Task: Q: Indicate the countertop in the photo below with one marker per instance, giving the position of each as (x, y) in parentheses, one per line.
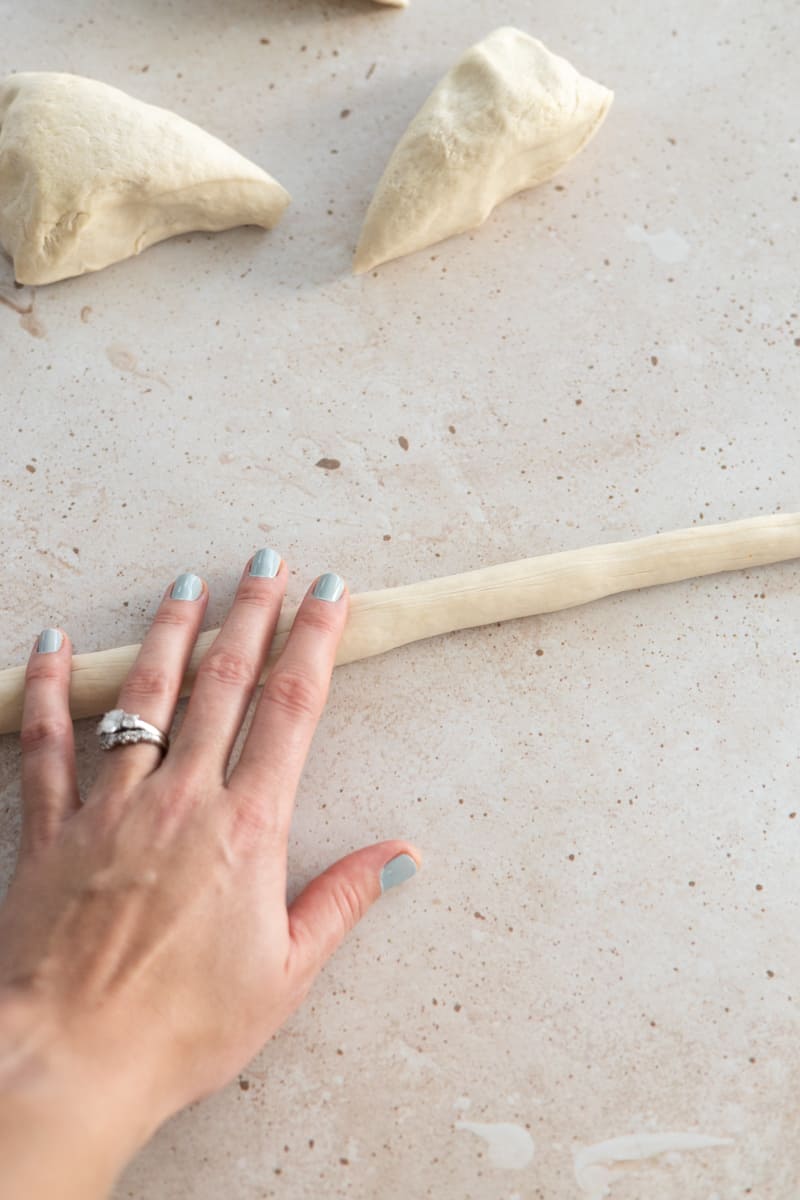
(602, 943)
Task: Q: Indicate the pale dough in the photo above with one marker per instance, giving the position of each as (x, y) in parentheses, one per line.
(380, 621)
(506, 117)
(89, 176)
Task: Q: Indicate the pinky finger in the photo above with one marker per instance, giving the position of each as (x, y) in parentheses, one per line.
(49, 778)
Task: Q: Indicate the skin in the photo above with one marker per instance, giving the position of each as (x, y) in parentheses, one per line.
(146, 948)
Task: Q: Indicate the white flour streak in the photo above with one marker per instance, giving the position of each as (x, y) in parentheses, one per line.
(510, 1146)
(594, 1164)
(668, 246)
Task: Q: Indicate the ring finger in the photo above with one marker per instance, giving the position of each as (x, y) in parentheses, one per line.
(153, 684)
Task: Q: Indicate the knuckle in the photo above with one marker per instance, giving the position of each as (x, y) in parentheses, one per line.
(349, 904)
(42, 670)
(229, 667)
(294, 693)
(319, 618)
(43, 732)
(178, 615)
(254, 821)
(148, 682)
(254, 594)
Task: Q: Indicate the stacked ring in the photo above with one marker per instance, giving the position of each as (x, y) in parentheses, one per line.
(118, 728)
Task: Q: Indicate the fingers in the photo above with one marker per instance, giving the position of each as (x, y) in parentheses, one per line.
(291, 703)
(153, 684)
(333, 903)
(49, 781)
(230, 669)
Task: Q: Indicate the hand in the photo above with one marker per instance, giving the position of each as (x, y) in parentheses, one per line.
(146, 948)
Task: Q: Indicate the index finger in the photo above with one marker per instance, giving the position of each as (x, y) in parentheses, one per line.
(291, 703)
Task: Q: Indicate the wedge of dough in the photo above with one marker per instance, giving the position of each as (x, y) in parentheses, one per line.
(506, 117)
(89, 176)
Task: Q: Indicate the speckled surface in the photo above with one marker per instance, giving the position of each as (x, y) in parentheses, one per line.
(604, 939)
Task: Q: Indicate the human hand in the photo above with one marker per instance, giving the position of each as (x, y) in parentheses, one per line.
(146, 947)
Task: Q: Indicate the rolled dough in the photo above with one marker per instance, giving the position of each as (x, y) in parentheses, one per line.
(506, 117)
(89, 176)
(383, 620)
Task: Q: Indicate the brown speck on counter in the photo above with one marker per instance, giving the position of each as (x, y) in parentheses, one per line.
(17, 308)
(27, 318)
(579, 401)
(371, 71)
(30, 468)
(86, 312)
(451, 428)
(344, 113)
(121, 358)
(328, 464)
(244, 1084)
(387, 537)
(539, 653)
(32, 325)
(403, 442)
(654, 360)
(264, 41)
(792, 816)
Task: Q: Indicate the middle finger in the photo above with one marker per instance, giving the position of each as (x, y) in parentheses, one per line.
(229, 671)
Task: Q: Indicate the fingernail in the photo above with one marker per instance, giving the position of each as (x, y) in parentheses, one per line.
(328, 587)
(266, 564)
(397, 870)
(49, 641)
(186, 587)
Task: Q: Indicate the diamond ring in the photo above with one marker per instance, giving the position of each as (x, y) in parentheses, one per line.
(118, 728)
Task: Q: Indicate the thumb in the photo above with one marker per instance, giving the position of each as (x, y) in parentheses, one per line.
(333, 903)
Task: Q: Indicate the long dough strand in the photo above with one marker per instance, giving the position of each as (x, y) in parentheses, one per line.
(382, 620)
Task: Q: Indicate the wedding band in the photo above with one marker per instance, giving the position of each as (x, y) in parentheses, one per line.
(118, 728)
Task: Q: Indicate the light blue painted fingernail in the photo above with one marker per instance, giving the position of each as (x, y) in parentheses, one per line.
(328, 587)
(186, 587)
(397, 870)
(50, 640)
(266, 564)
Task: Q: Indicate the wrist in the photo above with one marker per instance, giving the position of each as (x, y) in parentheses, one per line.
(67, 1128)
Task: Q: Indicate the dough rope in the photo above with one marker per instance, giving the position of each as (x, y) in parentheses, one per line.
(383, 620)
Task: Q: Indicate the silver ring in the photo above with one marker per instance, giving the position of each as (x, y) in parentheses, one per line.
(118, 728)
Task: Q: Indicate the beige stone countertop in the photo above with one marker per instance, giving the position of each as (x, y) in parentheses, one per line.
(592, 987)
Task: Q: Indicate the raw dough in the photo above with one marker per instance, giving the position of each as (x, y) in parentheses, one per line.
(380, 621)
(89, 176)
(506, 117)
